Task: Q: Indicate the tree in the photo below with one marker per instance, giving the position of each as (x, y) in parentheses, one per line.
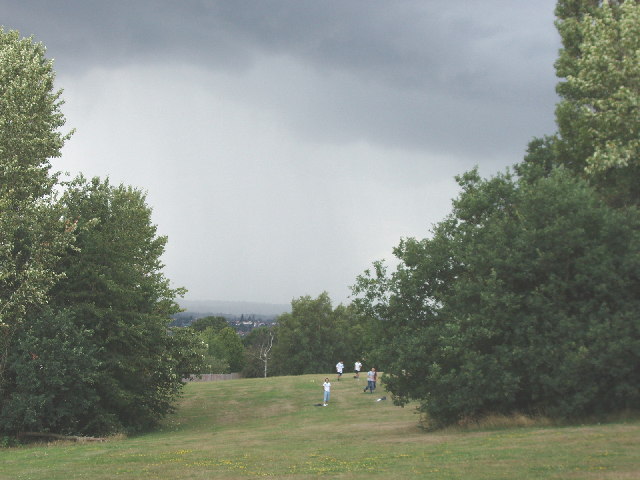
(84, 340)
(524, 300)
(217, 323)
(305, 337)
(114, 288)
(314, 336)
(229, 344)
(30, 118)
(597, 118)
(32, 232)
(258, 345)
(225, 352)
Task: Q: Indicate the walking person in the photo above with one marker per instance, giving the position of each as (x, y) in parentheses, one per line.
(357, 368)
(339, 369)
(372, 377)
(326, 387)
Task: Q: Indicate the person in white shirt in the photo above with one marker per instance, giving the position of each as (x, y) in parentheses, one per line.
(326, 386)
(357, 368)
(339, 369)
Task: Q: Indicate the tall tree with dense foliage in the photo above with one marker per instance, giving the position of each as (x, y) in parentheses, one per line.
(525, 297)
(32, 232)
(115, 289)
(598, 121)
(524, 300)
(84, 307)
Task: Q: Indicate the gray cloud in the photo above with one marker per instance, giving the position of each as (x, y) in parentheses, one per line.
(287, 144)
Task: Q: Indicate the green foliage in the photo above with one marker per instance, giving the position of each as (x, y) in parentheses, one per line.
(524, 299)
(187, 351)
(115, 289)
(597, 117)
(229, 344)
(258, 345)
(53, 370)
(314, 337)
(32, 232)
(30, 118)
(569, 15)
(540, 160)
(101, 357)
(225, 352)
(217, 323)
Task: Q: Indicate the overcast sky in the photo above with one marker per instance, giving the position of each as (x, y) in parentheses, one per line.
(286, 145)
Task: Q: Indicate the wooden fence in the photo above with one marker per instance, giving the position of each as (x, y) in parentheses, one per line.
(213, 377)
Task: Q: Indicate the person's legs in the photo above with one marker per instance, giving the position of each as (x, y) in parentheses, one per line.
(326, 397)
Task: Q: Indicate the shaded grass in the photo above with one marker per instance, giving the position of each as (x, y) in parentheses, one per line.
(270, 428)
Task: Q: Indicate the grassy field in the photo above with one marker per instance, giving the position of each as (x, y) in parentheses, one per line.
(271, 428)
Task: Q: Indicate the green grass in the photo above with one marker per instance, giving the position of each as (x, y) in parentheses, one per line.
(270, 428)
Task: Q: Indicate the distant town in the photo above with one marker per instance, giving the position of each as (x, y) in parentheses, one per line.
(242, 323)
(242, 316)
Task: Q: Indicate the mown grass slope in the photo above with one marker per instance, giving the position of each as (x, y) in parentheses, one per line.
(270, 428)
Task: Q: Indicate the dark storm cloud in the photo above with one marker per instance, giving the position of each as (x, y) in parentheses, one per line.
(462, 77)
(453, 46)
(287, 144)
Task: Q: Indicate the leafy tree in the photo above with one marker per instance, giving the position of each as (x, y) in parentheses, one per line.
(115, 289)
(32, 234)
(30, 118)
(225, 352)
(523, 300)
(314, 336)
(229, 343)
(569, 16)
(188, 351)
(597, 118)
(217, 323)
(100, 357)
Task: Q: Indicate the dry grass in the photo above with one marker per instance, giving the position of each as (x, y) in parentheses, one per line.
(516, 420)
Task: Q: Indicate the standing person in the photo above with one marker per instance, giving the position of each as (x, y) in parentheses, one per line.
(357, 368)
(339, 369)
(326, 387)
(372, 377)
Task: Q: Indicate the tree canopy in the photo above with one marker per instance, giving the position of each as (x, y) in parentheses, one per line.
(33, 233)
(84, 340)
(315, 336)
(597, 116)
(523, 300)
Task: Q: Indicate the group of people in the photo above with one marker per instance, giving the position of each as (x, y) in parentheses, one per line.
(372, 378)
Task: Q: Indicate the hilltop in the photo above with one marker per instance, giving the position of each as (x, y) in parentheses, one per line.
(270, 428)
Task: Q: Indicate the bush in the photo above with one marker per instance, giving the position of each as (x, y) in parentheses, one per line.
(52, 372)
